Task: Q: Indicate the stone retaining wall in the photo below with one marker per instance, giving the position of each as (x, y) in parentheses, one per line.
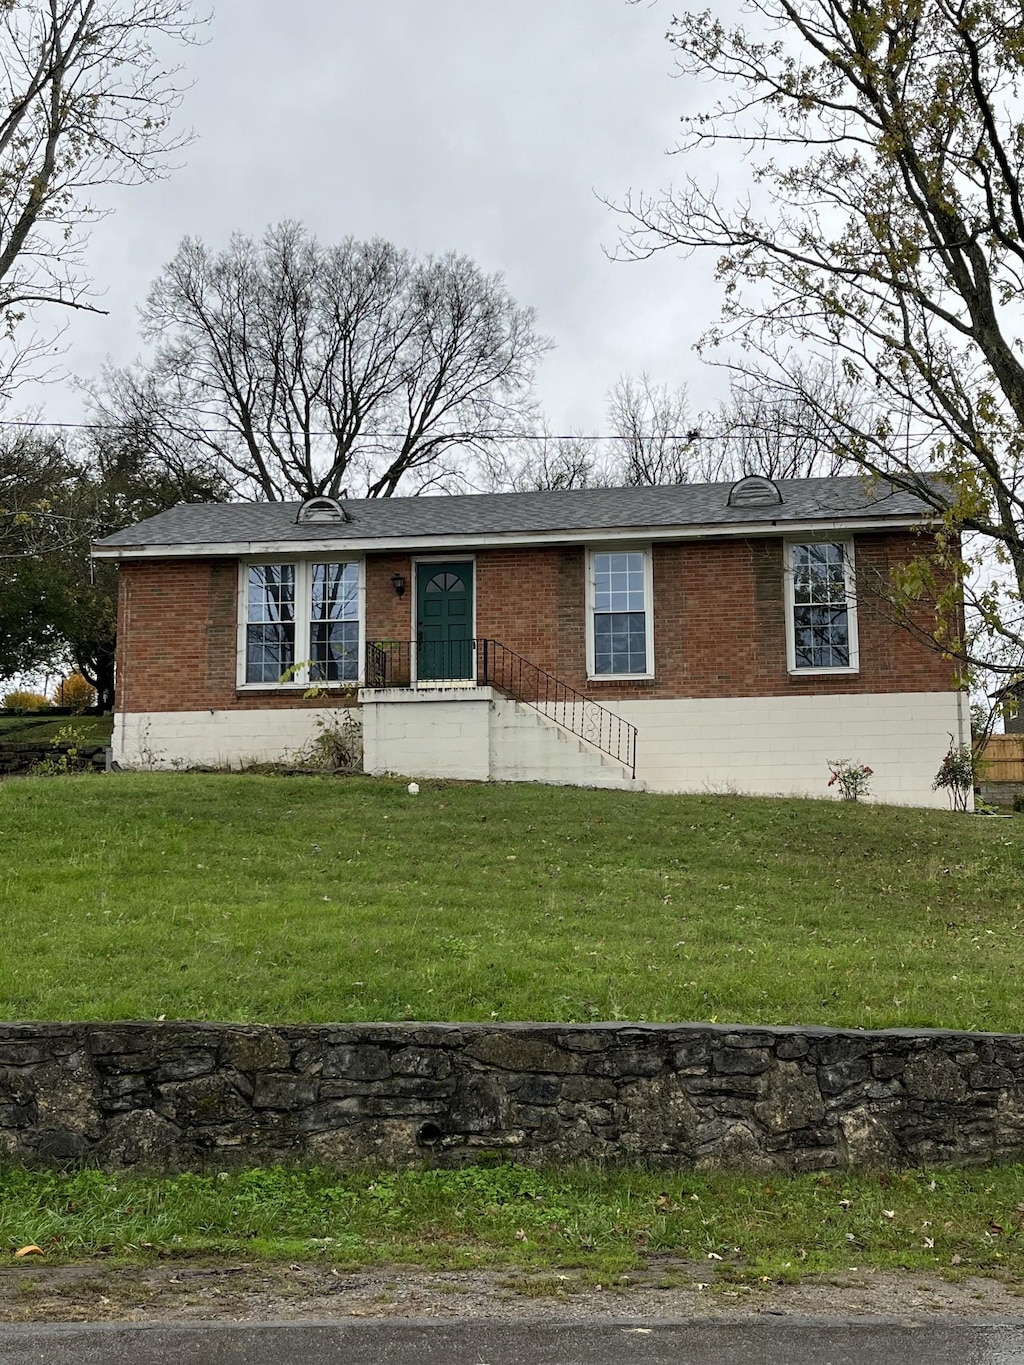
(169, 1096)
(1000, 793)
(16, 759)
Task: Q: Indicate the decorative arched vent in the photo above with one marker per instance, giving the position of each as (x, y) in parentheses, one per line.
(322, 509)
(754, 491)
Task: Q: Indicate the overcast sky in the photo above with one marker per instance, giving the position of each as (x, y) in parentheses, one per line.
(485, 126)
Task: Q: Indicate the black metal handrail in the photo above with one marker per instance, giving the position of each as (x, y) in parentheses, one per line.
(489, 663)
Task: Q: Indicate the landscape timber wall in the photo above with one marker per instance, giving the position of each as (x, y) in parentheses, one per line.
(171, 1096)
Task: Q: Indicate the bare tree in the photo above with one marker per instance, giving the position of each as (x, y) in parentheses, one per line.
(654, 434)
(883, 233)
(777, 429)
(301, 369)
(540, 460)
(86, 99)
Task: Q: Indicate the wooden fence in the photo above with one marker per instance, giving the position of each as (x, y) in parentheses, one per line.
(1003, 758)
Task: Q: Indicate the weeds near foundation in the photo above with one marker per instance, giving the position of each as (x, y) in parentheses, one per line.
(336, 744)
(66, 757)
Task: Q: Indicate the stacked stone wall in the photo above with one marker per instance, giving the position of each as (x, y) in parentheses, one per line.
(18, 759)
(168, 1096)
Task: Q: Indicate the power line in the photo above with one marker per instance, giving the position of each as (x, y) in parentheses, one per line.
(687, 437)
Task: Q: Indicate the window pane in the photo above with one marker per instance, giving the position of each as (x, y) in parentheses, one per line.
(335, 651)
(269, 651)
(334, 623)
(620, 642)
(271, 592)
(819, 574)
(822, 637)
(619, 582)
(335, 592)
(446, 582)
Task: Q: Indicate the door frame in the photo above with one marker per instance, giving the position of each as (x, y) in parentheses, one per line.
(416, 560)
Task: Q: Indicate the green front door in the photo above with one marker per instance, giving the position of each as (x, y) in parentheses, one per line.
(444, 614)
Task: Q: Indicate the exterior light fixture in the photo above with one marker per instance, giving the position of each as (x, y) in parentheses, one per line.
(398, 583)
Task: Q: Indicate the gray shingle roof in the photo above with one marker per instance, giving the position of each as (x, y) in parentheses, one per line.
(483, 515)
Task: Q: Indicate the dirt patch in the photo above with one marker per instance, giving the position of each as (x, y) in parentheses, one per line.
(242, 1292)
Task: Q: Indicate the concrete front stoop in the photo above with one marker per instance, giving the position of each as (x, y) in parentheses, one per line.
(477, 734)
(528, 746)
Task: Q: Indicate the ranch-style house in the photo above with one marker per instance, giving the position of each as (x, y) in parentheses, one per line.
(696, 637)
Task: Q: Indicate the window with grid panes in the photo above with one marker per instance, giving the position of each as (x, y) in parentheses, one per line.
(620, 612)
(302, 617)
(822, 607)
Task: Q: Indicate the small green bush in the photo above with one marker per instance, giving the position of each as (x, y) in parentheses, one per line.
(957, 774)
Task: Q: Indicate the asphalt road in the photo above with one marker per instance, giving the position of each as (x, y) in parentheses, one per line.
(410, 1343)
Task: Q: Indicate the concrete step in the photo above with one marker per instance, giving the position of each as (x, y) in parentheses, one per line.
(536, 748)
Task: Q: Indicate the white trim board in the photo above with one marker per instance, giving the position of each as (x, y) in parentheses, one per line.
(424, 544)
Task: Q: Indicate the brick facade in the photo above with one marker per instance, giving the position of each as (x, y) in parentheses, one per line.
(719, 624)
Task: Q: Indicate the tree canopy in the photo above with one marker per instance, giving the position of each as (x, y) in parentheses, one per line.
(882, 235)
(58, 606)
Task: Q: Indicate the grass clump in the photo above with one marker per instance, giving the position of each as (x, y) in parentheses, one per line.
(303, 899)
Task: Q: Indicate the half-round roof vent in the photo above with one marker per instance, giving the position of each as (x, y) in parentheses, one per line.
(754, 491)
(322, 509)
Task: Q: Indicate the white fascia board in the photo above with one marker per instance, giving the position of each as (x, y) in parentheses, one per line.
(337, 549)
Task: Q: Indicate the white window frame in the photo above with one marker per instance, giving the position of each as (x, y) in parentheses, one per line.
(303, 567)
(850, 575)
(592, 552)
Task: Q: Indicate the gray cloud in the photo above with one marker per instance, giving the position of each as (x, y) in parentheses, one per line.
(487, 126)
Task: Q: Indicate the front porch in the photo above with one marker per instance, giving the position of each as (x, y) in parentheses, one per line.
(476, 733)
(477, 710)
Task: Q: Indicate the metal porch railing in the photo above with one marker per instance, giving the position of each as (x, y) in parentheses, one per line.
(489, 663)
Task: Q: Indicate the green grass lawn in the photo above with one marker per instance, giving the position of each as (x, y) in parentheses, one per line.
(41, 728)
(601, 1222)
(304, 899)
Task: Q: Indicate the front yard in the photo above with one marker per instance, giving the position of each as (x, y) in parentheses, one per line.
(302, 899)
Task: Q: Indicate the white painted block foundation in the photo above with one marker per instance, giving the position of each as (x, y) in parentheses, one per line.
(475, 733)
(433, 732)
(782, 745)
(220, 739)
(760, 745)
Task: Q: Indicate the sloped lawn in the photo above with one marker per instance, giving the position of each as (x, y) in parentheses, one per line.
(42, 728)
(295, 899)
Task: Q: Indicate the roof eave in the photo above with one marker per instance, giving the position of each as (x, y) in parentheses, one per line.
(363, 545)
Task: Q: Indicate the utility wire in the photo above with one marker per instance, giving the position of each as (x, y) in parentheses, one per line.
(687, 436)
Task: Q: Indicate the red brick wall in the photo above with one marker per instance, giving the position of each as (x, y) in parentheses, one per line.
(719, 624)
(719, 620)
(177, 640)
